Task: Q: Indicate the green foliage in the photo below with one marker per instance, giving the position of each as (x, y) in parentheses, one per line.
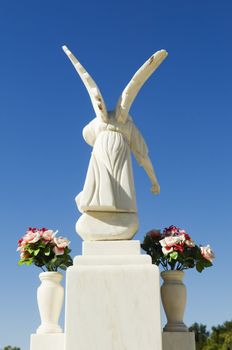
(10, 348)
(43, 255)
(201, 335)
(227, 341)
(220, 337)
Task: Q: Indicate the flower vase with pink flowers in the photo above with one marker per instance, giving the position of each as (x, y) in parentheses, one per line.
(44, 249)
(175, 251)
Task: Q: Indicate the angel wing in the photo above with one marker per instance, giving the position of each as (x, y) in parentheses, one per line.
(91, 86)
(137, 81)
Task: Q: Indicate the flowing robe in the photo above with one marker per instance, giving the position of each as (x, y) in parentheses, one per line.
(109, 183)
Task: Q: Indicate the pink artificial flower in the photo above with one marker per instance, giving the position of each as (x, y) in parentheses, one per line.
(61, 242)
(58, 251)
(168, 244)
(169, 241)
(47, 235)
(31, 237)
(21, 244)
(207, 253)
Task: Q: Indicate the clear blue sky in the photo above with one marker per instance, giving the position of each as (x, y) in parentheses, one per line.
(183, 111)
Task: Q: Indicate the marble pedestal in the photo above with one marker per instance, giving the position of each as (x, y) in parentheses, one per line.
(112, 299)
(178, 341)
(54, 341)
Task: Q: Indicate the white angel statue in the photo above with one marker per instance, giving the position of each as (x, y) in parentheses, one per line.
(107, 201)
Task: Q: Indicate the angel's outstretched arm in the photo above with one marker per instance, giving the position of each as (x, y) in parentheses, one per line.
(140, 151)
(148, 167)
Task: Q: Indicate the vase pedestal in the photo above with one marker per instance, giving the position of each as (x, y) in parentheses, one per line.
(112, 299)
(178, 341)
(53, 341)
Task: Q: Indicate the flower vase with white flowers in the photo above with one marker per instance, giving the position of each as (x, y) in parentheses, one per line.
(174, 249)
(44, 249)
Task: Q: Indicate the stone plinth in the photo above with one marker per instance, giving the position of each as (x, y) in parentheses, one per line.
(100, 226)
(112, 299)
(47, 341)
(178, 341)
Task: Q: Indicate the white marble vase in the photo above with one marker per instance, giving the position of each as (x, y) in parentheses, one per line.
(173, 295)
(50, 296)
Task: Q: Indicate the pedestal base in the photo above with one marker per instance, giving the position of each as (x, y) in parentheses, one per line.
(113, 299)
(178, 341)
(107, 226)
(47, 341)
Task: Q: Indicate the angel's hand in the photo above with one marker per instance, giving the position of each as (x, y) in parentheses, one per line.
(155, 189)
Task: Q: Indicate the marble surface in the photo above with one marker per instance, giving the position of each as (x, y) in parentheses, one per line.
(112, 260)
(47, 341)
(178, 341)
(131, 247)
(113, 303)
